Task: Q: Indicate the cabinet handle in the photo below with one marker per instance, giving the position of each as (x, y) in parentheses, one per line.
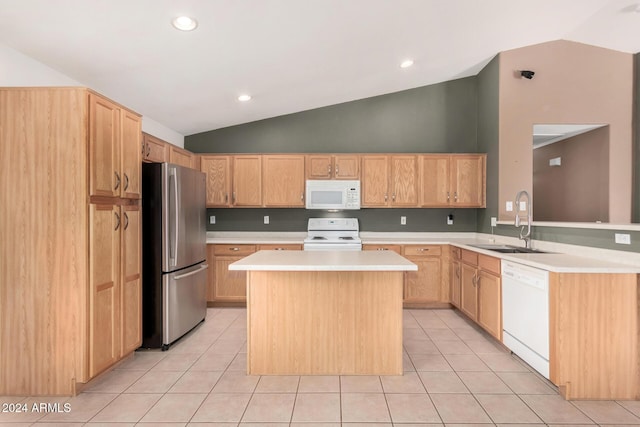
(117, 180)
(279, 249)
(126, 220)
(448, 196)
(302, 197)
(474, 280)
(393, 197)
(382, 249)
(329, 169)
(143, 148)
(234, 249)
(455, 196)
(458, 271)
(226, 197)
(148, 150)
(117, 221)
(233, 198)
(423, 249)
(337, 172)
(126, 182)
(386, 197)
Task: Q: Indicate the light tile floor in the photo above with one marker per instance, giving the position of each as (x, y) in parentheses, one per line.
(454, 374)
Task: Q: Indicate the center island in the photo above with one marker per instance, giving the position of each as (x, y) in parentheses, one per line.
(324, 312)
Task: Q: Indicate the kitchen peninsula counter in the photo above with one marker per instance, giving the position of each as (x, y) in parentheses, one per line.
(324, 312)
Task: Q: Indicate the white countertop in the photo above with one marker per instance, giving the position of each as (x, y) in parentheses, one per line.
(563, 259)
(324, 261)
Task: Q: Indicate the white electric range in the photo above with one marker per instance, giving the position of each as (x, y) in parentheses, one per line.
(333, 234)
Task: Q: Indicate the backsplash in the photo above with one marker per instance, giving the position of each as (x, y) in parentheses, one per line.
(418, 220)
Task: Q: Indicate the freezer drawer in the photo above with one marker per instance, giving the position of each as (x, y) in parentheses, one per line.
(184, 301)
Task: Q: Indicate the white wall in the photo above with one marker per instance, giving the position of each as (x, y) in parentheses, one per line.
(18, 69)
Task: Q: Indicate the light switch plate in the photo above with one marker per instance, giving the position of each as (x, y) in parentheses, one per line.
(403, 220)
(494, 221)
(266, 219)
(623, 239)
(523, 205)
(509, 206)
(212, 219)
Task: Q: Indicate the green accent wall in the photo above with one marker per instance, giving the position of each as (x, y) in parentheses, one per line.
(438, 118)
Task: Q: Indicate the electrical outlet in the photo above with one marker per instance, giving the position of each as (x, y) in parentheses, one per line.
(212, 219)
(522, 205)
(403, 220)
(623, 239)
(266, 219)
(494, 221)
(509, 206)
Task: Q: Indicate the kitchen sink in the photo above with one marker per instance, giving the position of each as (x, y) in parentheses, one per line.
(509, 249)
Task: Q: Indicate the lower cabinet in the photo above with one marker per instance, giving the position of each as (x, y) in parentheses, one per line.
(231, 286)
(115, 293)
(426, 284)
(455, 287)
(481, 291)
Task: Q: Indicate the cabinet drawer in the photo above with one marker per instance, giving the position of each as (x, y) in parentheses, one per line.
(394, 248)
(288, 247)
(422, 250)
(469, 257)
(221, 250)
(489, 263)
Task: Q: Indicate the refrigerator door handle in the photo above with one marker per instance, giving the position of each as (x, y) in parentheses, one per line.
(182, 276)
(174, 218)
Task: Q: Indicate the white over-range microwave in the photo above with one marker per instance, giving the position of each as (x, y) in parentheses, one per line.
(333, 194)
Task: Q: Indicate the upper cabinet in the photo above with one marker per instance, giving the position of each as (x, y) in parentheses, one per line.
(218, 171)
(247, 181)
(327, 166)
(182, 157)
(390, 181)
(114, 149)
(453, 180)
(283, 180)
(154, 150)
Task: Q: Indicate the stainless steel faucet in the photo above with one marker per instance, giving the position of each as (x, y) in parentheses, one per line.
(524, 236)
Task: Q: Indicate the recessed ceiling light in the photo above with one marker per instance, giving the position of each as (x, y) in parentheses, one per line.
(406, 63)
(184, 23)
(244, 98)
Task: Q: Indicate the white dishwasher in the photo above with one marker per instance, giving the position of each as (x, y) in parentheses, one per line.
(525, 314)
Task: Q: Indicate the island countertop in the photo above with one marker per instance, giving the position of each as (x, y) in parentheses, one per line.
(324, 261)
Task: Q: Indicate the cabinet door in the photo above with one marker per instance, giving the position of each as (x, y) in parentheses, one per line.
(346, 167)
(104, 295)
(319, 166)
(230, 286)
(434, 177)
(247, 181)
(423, 285)
(404, 181)
(105, 178)
(469, 291)
(375, 181)
(275, 247)
(468, 180)
(489, 303)
(131, 155)
(155, 150)
(181, 157)
(218, 170)
(211, 273)
(456, 278)
(131, 301)
(283, 180)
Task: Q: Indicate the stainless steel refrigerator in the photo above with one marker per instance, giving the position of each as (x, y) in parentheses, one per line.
(174, 269)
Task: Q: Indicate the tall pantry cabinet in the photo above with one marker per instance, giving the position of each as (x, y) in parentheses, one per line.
(70, 285)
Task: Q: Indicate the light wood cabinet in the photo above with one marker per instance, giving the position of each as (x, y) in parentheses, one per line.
(229, 286)
(279, 247)
(83, 297)
(182, 157)
(453, 180)
(481, 291)
(425, 284)
(154, 150)
(247, 181)
(114, 149)
(327, 166)
(218, 171)
(456, 277)
(389, 181)
(283, 180)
